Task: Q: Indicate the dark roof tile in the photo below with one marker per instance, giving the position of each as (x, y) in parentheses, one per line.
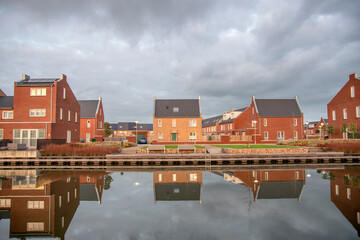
(88, 108)
(6, 102)
(278, 108)
(177, 108)
(208, 122)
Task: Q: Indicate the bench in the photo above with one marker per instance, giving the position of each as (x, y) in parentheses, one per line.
(186, 148)
(156, 149)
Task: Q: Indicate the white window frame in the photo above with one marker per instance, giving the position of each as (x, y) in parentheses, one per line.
(192, 122)
(193, 177)
(76, 117)
(88, 123)
(37, 112)
(295, 135)
(5, 202)
(266, 175)
(88, 137)
(333, 115)
(8, 115)
(100, 124)
(161, 135)
(192, 136)
(266, 135)
(174, 177)
(75, 193)
(358, 217)
(176, 109)
(37, 92)
(348, 193)
(60, 201)
(265, 122)
(69, 115)
(295, 122)
(279, 133)
(296, 174)
(64, 93)
(61, 113)
(337, 192)
(1, 133)
(68, 197)
(345, 114)
(160, 177)
(35, 226)
(352, 91)
(35, 204)
(230, 126)
(62, 222)
(173, 123)
(159, 123)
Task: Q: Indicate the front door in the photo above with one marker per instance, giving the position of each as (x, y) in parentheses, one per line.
(174, 137)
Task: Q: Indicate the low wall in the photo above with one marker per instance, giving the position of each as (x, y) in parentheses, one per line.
(19, 154)
(265, 150)
(172, 151)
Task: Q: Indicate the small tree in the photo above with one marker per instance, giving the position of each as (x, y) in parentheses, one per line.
(107, 128)
(108, 180)
(352, 129)
(331, 130)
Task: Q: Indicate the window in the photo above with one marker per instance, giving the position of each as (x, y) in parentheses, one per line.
(37, 91)
(337, 190)
(1, 133)
(75, 193)
(192, 136)
(352, 91)
(295, 135)
(100, 124)
(345, 113)
(281, 135)
(35, 204)
(8, 115)
(76, 117)
(41, 133)
(193, 177)
(64, 93)
(87, 137)
(295, 122)
(88, 124)
(358, 111)
(160, 135)
(60, 199)
(265, 122)
(192, 122)
(358, 217)
(69, 114)
(5, 202)
(159, 123)
(37, 112)
(160, 177)
(176, 190)
(174, 177)
(296, 175)
(348, 193)
(68, 179)
(333, 115)
(35, 226)
(230, 126)
(61, 113)
(175, 109)
(174, 123)
(62, 221)
(266, 136)
(68, 196)
(88, 179)
(266, 176)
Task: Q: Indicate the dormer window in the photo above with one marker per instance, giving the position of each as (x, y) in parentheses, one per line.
(175, 109)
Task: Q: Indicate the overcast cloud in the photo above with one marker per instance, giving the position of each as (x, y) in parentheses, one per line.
(224, 51)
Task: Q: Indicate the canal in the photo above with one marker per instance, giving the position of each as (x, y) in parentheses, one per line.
(180, 204)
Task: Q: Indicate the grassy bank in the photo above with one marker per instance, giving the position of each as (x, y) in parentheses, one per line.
(238, 146)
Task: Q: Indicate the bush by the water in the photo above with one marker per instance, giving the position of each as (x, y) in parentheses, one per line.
(77, 150)
(346, 147)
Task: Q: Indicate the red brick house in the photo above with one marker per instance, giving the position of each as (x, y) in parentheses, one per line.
(38, 210)
(226, 125)
(91, 120)
(41, 108)
(344, 108)
(269, 120)
(312, 129)
(210, 126)
(177, 120)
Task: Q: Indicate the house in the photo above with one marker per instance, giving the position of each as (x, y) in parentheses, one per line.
(177, 120)
(210, 125)
(38, 210)
(177, 186)
(226, 124)
(41, 108)
(270, 120)
(91, 120)
(92, 186)
(128, 129)
(345, 194)
(312, 129)
(344, 109)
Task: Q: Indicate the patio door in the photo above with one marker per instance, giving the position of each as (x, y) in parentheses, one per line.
(281, 135)
(28, 137)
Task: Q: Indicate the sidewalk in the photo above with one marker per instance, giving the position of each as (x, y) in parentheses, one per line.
(132, 150)
(212, 150)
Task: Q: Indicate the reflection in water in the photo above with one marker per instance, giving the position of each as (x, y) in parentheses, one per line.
(43, 203)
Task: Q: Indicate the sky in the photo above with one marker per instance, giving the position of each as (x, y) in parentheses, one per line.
(224, 51)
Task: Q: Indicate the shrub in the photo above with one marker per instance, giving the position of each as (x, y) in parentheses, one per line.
(346, 147)
(77, 150)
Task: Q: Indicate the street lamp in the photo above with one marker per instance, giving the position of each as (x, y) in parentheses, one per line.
(254, 122)
(136, 123)
(321, 129)
(307, 129)
(308, 174)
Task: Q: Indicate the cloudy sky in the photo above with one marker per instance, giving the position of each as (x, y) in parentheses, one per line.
(224, 51)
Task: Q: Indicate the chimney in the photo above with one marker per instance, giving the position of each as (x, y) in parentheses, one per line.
(354, 75)
(154, 98)
(253, 97)
(25, 77)
(100, 98)
(296, 98)
(63, 76)
(199, 98)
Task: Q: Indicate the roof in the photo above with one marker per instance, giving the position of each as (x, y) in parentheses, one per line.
(88, 108)
(6, 102)
(177, 191)
(130, 126)
(278, 108)
(37, 81)
(277, 190)
(230, 120)
(241, 109)
(88, 192)
(177, 108)
(208, 122)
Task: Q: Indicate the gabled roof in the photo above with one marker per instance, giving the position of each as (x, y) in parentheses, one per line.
(88, 192)
(177, 191)
(208, 122)
(37, 81)
(88, 108)
(6, 102)
(230, 120)
(278, 108)
(276, 190)
(177, 108)
(130, 126)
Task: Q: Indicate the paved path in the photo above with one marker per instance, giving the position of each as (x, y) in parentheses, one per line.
(212, 149)
(132, 150)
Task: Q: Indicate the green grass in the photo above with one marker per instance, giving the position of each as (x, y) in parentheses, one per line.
(253, 146)
(197, 146)
(144, 147)
(171, 146)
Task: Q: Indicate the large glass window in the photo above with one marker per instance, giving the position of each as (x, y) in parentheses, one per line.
(37, 112)
(192, 122)
(8, 115)
(38, 92)
(192, 136)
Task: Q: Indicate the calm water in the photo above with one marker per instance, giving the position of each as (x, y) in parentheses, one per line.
(260, 204)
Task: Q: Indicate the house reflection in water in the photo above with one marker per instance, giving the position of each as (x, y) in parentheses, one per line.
(36, 209)
(91, 186)
(270, 184)
(177, 186)
(345, 194)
